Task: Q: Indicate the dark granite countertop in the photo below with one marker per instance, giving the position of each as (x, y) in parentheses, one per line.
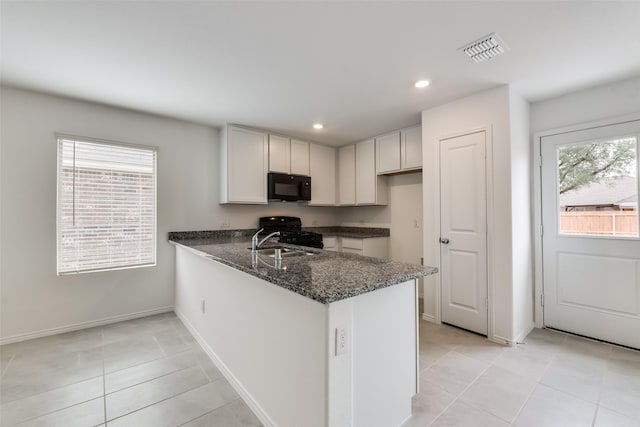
(354, 232)
(325, 276)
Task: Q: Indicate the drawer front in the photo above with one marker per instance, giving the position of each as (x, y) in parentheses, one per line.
(349, 243)
(352, 251)
(330, 243)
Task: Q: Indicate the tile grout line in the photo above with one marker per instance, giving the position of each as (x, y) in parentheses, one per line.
(207, 413)
(538, 382)
(100, 346)
(164, 356)
(154, 378)
(491, 364)
(434, 362)
(159, 401)
(53, 412)
(463, 391)
(8, 363)
(54, 389)
(595, 416)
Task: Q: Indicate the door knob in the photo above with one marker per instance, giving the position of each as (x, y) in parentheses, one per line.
(444, 241)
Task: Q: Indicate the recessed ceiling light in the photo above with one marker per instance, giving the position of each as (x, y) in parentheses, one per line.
(422, 83)
(318, 126)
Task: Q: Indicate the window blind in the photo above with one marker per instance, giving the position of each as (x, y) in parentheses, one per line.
(106, 205)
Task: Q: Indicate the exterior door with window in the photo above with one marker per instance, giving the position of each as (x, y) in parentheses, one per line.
(463, 231)
(591, 246)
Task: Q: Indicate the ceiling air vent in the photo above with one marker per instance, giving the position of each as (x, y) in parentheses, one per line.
(484, 48)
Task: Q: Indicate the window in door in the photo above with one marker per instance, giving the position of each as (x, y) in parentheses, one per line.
(106, 205)
(598, 188)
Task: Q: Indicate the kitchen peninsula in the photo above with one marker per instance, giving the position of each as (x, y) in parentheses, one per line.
(318, 339)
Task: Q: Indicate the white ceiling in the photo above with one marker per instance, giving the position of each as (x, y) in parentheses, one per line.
(285, 65)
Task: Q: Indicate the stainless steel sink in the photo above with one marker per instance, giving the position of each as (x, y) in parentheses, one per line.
(284, 252)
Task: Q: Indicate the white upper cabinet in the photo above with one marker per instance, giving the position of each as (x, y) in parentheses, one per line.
(299, 157)
(388, 153)
(323, 175)
(371, 189)
(411, 148)
(279, 154)
(347, 175)
(399, 151)
(289, 156)
(244, 163)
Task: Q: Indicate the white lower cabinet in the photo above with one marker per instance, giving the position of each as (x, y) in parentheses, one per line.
(279, 351)
(377, 247)
(331, 244)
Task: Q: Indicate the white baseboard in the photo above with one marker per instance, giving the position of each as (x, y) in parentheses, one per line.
(526, 331)
(428, 318)
(235, 383)
(83, 325)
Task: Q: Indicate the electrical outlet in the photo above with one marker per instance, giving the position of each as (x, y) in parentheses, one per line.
(203, 306)
(225, 224)
(341, 341)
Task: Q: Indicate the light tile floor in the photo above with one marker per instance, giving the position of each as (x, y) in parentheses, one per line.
(142, 372)
(552, 379)
(151, 372)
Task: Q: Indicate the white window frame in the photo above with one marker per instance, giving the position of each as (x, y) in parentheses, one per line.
(59, 137)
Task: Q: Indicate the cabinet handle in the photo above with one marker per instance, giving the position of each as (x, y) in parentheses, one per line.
(444, 241)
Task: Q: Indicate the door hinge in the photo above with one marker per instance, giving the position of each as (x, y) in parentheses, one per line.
(540, 161)
(542, 300)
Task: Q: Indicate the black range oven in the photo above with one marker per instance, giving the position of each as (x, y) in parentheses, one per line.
(290, 228)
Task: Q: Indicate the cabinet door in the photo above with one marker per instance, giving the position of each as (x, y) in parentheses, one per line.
(247, 162)
(347, 175)
(322, 164)
(388, 153)
(331, 243)
(412, 148)
(377, 247)
(299, 157)
(365, 173)
(279, 154)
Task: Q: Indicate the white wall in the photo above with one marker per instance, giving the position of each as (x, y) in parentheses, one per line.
(522, 246)
(610, 101)
(601, 102)
(488, 109)
(399, 215)
(34, 298)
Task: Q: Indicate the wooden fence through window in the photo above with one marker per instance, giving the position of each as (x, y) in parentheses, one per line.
(600, 223)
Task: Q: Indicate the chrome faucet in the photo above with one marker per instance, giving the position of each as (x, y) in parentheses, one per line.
(255, 244)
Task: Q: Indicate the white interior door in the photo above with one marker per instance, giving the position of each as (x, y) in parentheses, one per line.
(463, 236)
(591, 249)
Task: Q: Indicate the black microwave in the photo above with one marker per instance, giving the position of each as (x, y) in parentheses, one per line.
(281, 186)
